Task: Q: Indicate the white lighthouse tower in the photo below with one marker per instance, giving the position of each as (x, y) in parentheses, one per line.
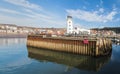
(69, 25)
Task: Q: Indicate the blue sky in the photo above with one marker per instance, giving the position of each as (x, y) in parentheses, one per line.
(52, 13)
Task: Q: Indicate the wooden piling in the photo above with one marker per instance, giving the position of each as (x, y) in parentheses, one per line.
(95, 47)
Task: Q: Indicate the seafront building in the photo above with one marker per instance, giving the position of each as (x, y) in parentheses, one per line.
(106, 31)
(6, 28)
(14, 29)
(71, 30)
(69, 25)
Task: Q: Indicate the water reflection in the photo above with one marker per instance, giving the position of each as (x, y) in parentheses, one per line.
(69, 60)
(13, 54)
(11, 41)
(117, 43)
(14, 60)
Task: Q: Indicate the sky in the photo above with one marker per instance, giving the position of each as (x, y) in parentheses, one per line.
(52, 13)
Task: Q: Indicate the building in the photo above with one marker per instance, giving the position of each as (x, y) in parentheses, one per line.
(81, 31)
(8, 28)
(75, 30)
(2, 26)
(106, 31)
(11, 28)
(69, 25)
(2, 29)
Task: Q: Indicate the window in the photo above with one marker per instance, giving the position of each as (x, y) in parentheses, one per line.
(69, 22)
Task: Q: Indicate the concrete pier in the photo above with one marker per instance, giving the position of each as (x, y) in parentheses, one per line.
(94, 47)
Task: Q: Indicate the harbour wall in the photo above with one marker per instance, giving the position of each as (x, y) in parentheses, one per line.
(94, 47)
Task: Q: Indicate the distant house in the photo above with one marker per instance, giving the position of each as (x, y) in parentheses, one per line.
(2, 26)
(8, 28)
(2, 31)
(105, 31)
(11, 28)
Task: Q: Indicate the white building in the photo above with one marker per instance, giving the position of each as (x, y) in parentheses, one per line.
(8, 28)
(83, 31)
(11, 28)
(69, 25)
(76, 30)
(2, 31)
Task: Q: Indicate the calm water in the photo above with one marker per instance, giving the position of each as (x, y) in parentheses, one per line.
(16, 58)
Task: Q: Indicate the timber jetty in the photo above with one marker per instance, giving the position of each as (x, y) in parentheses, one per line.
(77, 45)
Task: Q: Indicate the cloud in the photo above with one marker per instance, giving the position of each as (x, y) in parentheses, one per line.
(79, 25)
(101, 10)
(114, 7)
(84, 7)
(101, 2)
(9, 11)
(47, 18)
(35, 14)
(30, 18)
(117, 20)
(27, 15)
(24, 3)
(97, 6)
(95, 16)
